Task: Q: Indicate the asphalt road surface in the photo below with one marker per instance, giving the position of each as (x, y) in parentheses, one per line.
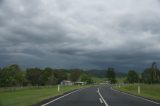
(100, 96)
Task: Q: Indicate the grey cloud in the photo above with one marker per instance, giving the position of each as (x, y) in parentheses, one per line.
(83, 34)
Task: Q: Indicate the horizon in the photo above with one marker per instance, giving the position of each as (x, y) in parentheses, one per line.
(87, 69)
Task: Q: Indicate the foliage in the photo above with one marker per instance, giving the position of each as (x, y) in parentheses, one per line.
(39, 77)
(34, 76)
(75, 75)
(111, 76)
(151, 75)
(61, 75)
(48, 77)
(132, 77)
(11, 76)
(86, 78)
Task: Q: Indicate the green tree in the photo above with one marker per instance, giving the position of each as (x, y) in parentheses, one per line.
(151, 75)
(11, 76)
(132, 77)
(61, 75)
(86, 78)
(48, 77)
(111, 76)
(75, 75)
(34, 76)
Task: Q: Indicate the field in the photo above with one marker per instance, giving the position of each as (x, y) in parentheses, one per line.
(120, 79)
(148, 91)
(99, 80)
(30, 95)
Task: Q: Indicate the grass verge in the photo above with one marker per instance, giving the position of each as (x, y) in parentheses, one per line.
(146, 90)
(31, 95)
(99, 80)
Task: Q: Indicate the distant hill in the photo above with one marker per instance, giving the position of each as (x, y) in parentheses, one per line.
(102, 73)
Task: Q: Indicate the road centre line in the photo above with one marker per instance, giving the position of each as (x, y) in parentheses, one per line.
(102, 98)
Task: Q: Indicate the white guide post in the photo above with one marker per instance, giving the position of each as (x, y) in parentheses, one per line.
(119, 86)
(58, 88)
(139, 90)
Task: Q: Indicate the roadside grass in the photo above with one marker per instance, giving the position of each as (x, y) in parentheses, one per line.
(151, 91)
(99, 80)
(31, 95)
(120, 79)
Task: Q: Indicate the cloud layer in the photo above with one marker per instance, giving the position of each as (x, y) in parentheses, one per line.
(80, 33)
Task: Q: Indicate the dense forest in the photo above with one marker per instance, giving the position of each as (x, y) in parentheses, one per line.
(13, 75)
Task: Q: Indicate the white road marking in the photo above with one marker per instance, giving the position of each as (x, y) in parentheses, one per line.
(59, 98)
(102, 98)
(136, 96)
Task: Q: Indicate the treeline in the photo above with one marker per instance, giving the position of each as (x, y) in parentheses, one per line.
(150, 75)
(102, 73)
(13, 75)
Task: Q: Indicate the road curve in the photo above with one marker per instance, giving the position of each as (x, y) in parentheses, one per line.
(99, 96)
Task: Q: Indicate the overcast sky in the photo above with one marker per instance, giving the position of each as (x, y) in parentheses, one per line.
(124, 34)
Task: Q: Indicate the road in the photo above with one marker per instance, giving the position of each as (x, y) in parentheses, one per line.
(99, 96)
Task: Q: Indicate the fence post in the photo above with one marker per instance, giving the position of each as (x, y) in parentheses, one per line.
(119, 86)
(139, 90)
(58, 88)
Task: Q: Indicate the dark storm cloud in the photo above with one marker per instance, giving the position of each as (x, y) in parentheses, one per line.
(1, 1)
(80, 34)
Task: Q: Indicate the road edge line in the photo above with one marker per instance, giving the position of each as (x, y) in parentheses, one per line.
(60, 97)
(135, 96)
